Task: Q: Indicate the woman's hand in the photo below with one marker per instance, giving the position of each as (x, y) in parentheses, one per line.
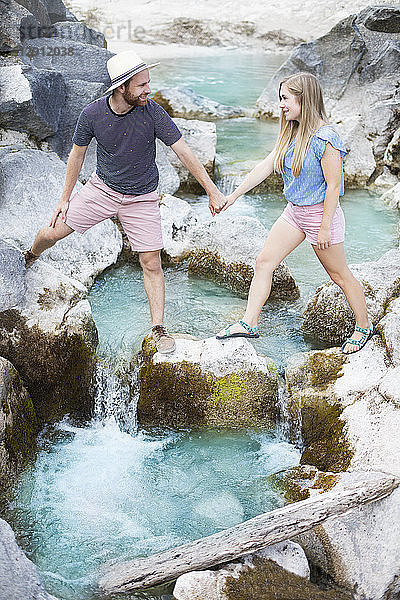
(324, 238)
(229, 201)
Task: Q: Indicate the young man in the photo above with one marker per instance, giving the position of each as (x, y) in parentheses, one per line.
(125, 124)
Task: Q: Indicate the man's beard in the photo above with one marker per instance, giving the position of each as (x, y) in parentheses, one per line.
(130, 98)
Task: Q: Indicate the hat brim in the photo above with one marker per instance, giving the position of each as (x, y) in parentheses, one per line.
(113, 87)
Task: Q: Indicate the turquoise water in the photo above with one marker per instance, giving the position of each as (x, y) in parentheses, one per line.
(97, 494)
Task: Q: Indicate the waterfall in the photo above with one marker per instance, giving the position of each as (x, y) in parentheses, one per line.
(116, 392)
(290, 422)
(228, 183)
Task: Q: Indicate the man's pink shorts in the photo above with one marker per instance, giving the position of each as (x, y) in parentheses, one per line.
(138, 215)
(308, 219)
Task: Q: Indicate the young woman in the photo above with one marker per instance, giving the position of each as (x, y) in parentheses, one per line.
(309, 155)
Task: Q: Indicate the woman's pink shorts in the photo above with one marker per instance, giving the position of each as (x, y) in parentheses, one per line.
(138, 215)
(308, 220)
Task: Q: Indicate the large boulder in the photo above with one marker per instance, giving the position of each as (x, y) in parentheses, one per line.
(392, 196)
(328, 316)
(225, 249)
(31, 99)
(169, 181)
(356, 67)
(392, 153)
(31, 184)
(201, 137)
(19, 578)
(18, 424)
(389, 328)
(12, 276)
(207, 383)
(349, 413)
(186, 103)
(14, 18)
(178, 220)
(78, 32)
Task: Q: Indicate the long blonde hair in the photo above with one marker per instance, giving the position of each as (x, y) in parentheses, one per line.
(307, 89)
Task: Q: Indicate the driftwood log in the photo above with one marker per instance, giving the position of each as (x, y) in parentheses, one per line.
(250, 536)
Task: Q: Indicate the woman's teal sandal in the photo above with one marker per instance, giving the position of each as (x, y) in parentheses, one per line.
(252, 332)
(366, 335)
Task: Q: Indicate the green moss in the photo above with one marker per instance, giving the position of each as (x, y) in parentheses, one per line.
(326, 481)
(324, 368)
(49, 298)
(226, 390)
(269, 581)
(236, 276)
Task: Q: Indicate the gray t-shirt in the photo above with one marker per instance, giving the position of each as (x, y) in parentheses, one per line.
(126, 144)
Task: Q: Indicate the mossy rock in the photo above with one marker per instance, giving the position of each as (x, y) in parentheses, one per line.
(238, 276)
(183, 394)
(295, 484)
(57, 368)
(269, 581)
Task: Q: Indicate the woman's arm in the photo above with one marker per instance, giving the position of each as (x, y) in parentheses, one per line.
(332, 168)
(256, 176)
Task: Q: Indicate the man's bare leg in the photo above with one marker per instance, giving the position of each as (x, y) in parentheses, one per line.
(154, 286)
(48, 236)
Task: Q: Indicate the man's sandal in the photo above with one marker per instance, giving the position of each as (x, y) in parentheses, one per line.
(366, 335)
(252, 332)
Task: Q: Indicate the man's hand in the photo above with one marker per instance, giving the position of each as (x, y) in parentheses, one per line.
(229, 201)
(60, 211)
(216, 202)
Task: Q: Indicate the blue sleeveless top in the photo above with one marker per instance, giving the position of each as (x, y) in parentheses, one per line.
(310, 186)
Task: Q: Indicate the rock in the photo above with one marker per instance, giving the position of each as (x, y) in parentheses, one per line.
(186, 103)
(78, 32)
(19, 577)
(18, 426)
(207, 383)
(56, 10)
(211, 585)
(77, 61)
(384, 182)
(392, 197)
(392, 153)
(31, 99)
(382, 18)
(389, 328)
(201, 137)
(12, 276)
(169, 181)
(177, 221)
(52, 348)
(225, 249)
(38, 8)
(328, 317)
(31, 184)
(14, 16)
(361, 95)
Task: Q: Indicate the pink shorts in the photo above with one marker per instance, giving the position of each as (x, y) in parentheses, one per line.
(308, 220)
(138, 215)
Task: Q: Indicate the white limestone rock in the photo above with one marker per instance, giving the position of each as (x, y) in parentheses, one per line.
(384, 182)
(184, 102)
(392, 196)
(169, 181)
(328, 317)
(31, 185)
(12, 276)
(389, 327)
(392, 153)
(178, 219)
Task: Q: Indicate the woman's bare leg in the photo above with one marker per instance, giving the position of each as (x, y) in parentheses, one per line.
(281, 240)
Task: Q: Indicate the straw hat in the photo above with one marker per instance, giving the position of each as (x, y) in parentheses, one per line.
(122, 66)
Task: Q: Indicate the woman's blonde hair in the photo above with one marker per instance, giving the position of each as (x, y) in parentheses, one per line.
(307, 89)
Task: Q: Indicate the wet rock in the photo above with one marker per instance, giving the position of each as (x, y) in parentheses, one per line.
(210, 585)
(30, 98)
(328, 316)
(361, 93)
(201, 137)
(19, 577)
(50, 337)
(225, 249)
(18, 425)
(76, 61)
(178, 219)
(12, 276)
(31, 185)
(207, 383)
(186, 103)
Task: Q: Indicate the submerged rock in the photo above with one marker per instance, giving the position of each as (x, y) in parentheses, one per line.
(201, 137)
(19, 578)
(225, 249)
(18, 425)
(186, 103)
(212, 585)
(328, 316)
(206, 382)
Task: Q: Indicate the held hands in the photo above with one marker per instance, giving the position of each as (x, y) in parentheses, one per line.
(59, 212)
(229, 201)
(216, 202)
(324, 238)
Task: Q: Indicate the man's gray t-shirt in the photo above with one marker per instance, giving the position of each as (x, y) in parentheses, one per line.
(126, 144)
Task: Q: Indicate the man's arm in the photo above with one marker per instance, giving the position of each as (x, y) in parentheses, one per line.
(192, 163)
(74, 165)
